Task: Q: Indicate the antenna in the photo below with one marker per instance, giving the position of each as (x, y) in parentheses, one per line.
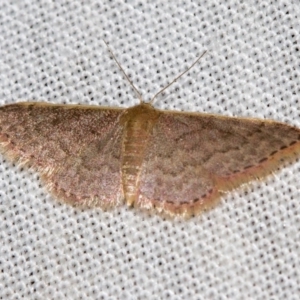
(136, 90)
(175, 79)
(131, 83)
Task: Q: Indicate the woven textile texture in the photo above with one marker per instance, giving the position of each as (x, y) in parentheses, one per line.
(248, 247)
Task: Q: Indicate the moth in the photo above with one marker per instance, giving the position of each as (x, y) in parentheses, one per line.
(175, 163)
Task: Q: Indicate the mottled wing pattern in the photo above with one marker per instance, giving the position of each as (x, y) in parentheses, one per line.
(193, 157)
(77, 149)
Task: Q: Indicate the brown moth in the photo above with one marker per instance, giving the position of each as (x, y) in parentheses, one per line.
(174, 162)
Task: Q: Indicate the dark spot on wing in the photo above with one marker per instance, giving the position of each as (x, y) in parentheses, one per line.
(263, 160)
(248, 167)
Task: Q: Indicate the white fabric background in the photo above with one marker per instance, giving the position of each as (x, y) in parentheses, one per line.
(248, 246)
